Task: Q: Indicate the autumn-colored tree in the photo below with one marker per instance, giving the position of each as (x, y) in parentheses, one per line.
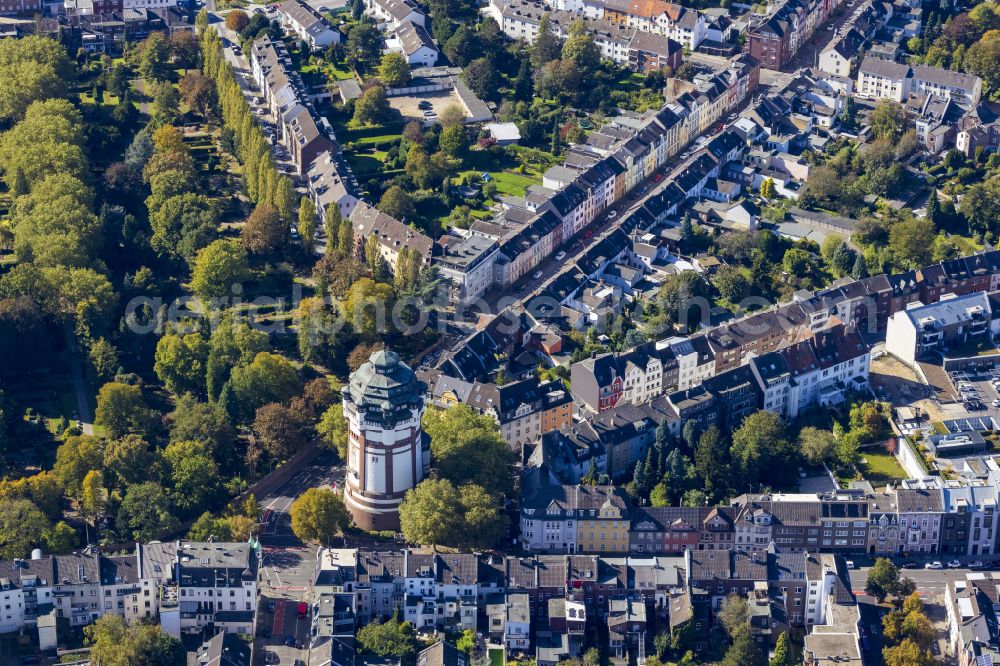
(236, 20)
(264, 232)
(279, 431)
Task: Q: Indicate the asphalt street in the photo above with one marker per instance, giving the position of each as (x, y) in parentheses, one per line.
(930, 582)
(288, 566)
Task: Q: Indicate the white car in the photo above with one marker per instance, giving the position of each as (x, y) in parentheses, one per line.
(996, 403)
(954, 564)
(537, 274)
(976, 564)
(933, 565)
(612, 215)
(562, 255)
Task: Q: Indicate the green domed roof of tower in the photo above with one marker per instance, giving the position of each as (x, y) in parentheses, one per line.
(386, 384)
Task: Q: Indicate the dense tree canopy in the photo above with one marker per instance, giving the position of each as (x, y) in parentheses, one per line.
(115, 643)
(54, 224)
(32, 68)
(318, 515)
(467, 448)
(217, 268)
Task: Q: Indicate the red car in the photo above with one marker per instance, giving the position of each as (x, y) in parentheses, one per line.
(303, 610)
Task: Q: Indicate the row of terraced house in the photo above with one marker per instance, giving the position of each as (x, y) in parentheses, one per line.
(550, 607)
(778, 38)
(828, 333)
(601, 175)
(187, 587)
(919, 517)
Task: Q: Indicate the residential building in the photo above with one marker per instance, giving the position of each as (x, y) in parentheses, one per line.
(305, 138)
(413, 41)
(627, 632)
(524, 410)
(468, 267)
(964, 88)
(883, 79)
(442, 653)
(390, 234)
(971, 606)
(920, 514)
(392, 13)
(575, 519)
(776, 40)
(649, 53)
(331, 183)
(510, 620)
(834, 632)
(194, 586)
(840, 56)
(307, 24)
(947, 324)
(597, 382)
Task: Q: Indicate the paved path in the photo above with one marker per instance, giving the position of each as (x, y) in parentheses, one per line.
(80, 388)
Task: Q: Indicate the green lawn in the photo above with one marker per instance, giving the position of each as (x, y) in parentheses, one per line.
(966, 245)
(378, 138)
(881, 468)
(496, 657)
(378, 132)
(513, 184)
(365, 164)
(337, 74)
(629, 81)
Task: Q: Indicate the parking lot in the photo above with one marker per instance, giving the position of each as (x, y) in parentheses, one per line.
(977, 393)
(409, 105)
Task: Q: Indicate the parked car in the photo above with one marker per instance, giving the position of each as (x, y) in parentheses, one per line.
(303, 611)
(290, 640)
(851, 564)
(934, 565)
(612, 214)
(423, 105)
(270, 606)
(976, 564)
(954, 564)
(562, 255)
(537, 275)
